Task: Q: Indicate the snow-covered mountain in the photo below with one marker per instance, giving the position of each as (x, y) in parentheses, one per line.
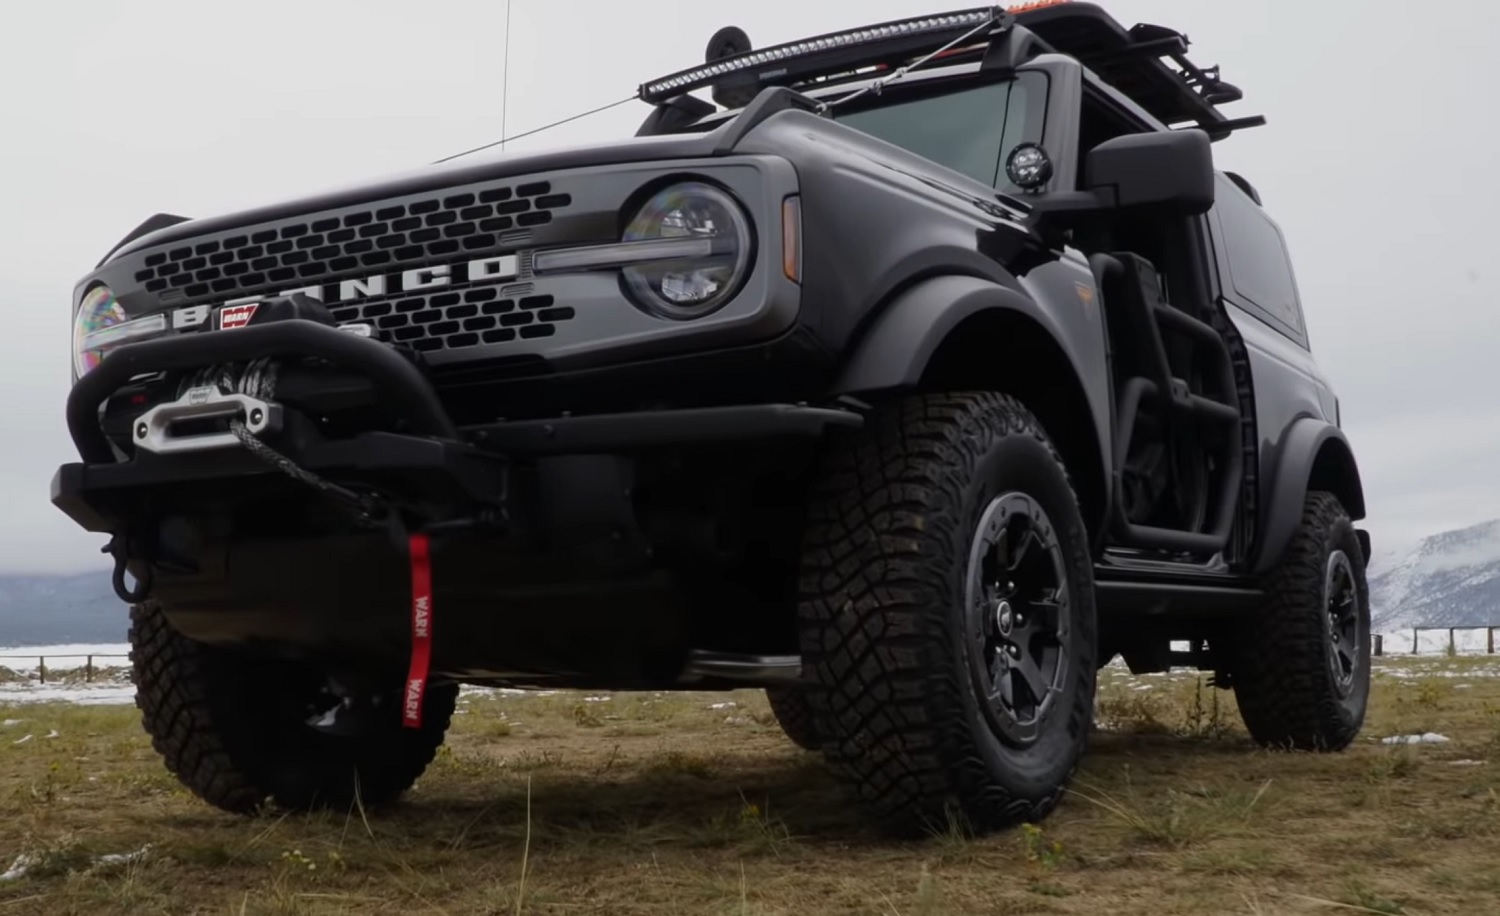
(1447, 580)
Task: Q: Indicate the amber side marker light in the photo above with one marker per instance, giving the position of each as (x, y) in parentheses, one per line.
(791, 238)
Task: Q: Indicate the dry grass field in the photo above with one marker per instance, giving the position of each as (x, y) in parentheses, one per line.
(695, 803)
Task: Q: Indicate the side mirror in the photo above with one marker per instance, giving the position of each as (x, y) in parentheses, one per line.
(1167, 171)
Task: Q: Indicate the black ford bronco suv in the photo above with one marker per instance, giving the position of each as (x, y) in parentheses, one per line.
(926, 369)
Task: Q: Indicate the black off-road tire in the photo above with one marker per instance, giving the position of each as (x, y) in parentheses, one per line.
(234, 732)
(887, 635)
(789, 706)
(1283, 656)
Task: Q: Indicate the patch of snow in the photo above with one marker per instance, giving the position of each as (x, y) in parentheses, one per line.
(83, 694)
(1447, 672)
(1466, 763)
(19, 867)
(1424, 738)
(727, 704)
(120, 858)
(26, 861)
(473, 690)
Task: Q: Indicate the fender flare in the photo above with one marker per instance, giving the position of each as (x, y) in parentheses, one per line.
(1314, 453)
(899, 343)
(895, 349)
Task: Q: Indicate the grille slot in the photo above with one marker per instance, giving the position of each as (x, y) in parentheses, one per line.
(323, 248)
(463, 315)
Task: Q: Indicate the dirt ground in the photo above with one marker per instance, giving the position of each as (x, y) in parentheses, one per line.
(695, 803)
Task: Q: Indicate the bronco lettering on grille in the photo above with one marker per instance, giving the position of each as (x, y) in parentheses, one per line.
(495, 269)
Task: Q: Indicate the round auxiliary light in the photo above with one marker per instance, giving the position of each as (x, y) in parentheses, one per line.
(1028, 167)
(690, 286)
(98, 310)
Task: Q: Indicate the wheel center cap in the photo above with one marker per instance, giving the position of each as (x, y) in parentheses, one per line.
(1005, 618)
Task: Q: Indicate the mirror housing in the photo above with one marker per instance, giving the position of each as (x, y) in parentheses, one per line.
(1160, 173)
(1170, 171)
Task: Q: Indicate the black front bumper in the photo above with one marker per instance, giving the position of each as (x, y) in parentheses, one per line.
(446, 466)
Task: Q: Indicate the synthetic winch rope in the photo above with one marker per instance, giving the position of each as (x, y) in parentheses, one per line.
(258, 380)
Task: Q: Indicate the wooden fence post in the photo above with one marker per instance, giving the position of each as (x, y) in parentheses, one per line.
(1490, 648)
(88, 670)
(1378, 641)
(1414, 632)
(41, 670)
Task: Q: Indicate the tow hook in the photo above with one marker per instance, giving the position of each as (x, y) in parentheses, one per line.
(119, 548)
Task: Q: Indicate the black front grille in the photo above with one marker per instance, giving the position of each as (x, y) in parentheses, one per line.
(455, 317)
(426, 231)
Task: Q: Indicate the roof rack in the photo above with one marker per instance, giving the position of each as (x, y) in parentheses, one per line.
(1130, 60)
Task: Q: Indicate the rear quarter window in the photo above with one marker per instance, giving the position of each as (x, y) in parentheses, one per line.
(1253, 254)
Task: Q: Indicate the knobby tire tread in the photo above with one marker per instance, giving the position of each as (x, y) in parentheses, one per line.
(789, 706)
(884, 690)
(211, 749)
(1282, 684)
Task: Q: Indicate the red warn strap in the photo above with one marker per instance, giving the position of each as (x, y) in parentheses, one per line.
(421, 630)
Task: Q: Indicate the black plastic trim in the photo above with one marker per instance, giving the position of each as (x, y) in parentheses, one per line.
(643, 429)
(1143, 597)
(770, 102)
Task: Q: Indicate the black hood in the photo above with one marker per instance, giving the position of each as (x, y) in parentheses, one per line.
(476, 168)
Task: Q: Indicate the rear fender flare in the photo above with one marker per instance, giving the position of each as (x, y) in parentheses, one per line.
(1315, 455)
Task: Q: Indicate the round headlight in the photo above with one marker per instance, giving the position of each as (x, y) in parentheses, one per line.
(99, 310)
(690, 287)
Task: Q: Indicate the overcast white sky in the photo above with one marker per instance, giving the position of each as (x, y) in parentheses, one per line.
(1380, 170)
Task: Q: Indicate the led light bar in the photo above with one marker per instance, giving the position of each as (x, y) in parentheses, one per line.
(138, 329)
(928, 27)
(622, 254)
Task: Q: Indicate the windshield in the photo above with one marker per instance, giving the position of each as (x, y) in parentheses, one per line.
(968, 130)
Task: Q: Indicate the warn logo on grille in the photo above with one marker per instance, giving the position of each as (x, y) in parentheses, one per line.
(236, 316)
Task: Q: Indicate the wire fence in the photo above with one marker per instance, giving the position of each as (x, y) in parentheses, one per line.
(90, 668)
(1454, 641)
(1478, 640)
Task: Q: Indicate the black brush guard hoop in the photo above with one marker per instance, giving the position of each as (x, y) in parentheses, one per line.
(396, 378)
